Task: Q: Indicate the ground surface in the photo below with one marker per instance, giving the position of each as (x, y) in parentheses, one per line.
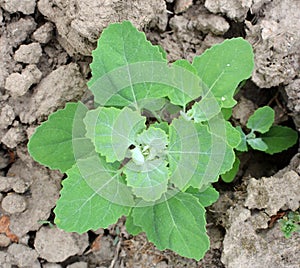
(45, 49)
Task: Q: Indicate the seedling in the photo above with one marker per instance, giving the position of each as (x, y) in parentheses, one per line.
(154, 143)
(290, 224)
(263, 136)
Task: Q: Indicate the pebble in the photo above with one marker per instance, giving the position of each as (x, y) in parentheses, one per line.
(25, 6)
(18, 84)
(44, 33)
(13, 183)
(4, 241)
(28, 53)
(13, 203)
(7, 115)
(51, 265)
(23, 256)
(80, 264)
(13, 137)
(18, 31)
(49, 243)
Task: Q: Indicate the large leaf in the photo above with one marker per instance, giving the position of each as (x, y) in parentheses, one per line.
(196, 156)
(261, 120)
(178, 224)
(221, 68)
(185, 150)
(127, 68)
(113, 130)
(279, 138)
(82, 206)
(59, 141)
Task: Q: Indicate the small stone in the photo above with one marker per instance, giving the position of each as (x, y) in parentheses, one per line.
(7, 115)
(5, 260)
(23, 256)
(13, 137)
(4, 241)
(234, 9)
(29, 53)
(32, 73)
(13, 203)
(212, 23)
(17, 85)
(182, 5)
(5, 184)
(51, 265)
(80, 264)
(15, 183)
(44, 33)
(49, 242)
(18, 31)
(25, 6)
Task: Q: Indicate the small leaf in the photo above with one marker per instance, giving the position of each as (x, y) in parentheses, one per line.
(81, 208)
(230, 175)
(113, 130)
(279, 138)
(207, 197)
(162, 125)
(178, 224)
(153, 142)
(149, 180)
(59, 141)
(223, 66)
(257, 144)
(242, 147)
(261, 120)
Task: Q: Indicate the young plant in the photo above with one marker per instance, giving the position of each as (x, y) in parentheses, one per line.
(290, 224)
(154, 143)
(263, 136)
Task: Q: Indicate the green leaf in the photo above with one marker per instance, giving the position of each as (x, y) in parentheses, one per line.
(162, 125)
(113, 130)
(153, 142)
(81, 207)
(127, 68)
(54, 142)
(178, 224)
(186, 152)
(149, 180)
(207, 197)
(181, 97)
(279, 138)
(119, 46)
(131, 227)
(257, 144)
(242, 147)
(261, 120)
(223, 66)
(196, 156)
(227, 113)
(230, 175)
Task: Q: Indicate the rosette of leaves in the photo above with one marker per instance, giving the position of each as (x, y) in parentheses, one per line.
(154, 143)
